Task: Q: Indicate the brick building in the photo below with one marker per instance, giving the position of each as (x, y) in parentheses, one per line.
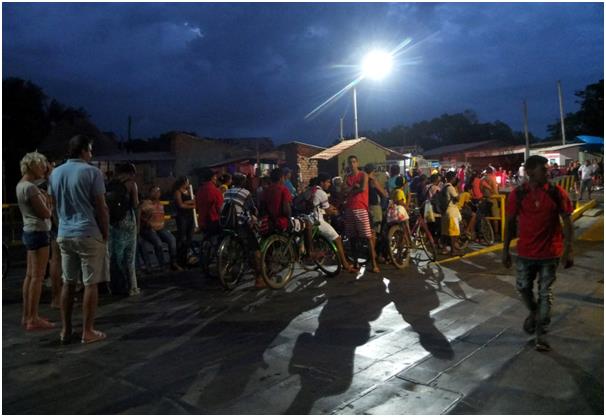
(298, 157)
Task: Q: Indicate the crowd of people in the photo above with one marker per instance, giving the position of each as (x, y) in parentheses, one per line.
(89, 232)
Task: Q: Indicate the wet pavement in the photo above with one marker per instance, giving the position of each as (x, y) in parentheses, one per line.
(427, 340)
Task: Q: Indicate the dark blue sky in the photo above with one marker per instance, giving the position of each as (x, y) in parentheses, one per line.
(258, 69)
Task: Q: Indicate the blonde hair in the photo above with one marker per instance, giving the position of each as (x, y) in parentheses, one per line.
(30, 159)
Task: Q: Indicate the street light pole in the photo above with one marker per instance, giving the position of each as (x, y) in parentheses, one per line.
(355, 98)
(561, 113)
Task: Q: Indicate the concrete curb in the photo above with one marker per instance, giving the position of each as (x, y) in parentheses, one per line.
(576, 214)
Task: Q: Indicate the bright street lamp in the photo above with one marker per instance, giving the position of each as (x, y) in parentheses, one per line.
(376, 65)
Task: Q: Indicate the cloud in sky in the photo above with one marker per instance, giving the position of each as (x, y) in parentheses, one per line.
(258, 69)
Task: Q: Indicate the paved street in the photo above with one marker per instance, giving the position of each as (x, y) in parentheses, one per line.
(427, 340)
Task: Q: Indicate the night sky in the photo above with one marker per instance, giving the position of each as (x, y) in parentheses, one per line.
(242, 70)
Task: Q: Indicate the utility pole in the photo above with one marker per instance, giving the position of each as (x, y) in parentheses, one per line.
(561, 113)
(527, 149)
(355, 98)
(341, 128)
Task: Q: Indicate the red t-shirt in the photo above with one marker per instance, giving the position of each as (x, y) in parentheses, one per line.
(273, 198)
(209, 200)
(476, 191)
(359, 200)
(539, 229)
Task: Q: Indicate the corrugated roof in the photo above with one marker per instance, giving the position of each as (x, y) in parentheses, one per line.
(556, 148)
(346, 144)
(459, 147)
(305, 144)
(337, 149)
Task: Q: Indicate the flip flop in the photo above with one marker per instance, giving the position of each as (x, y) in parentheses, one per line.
(40, 325)
(97, 338)
(351, 270)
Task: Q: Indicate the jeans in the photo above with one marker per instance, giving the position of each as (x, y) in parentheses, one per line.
(527, 270)
(156, 237)
(586, 185)
(185, 230)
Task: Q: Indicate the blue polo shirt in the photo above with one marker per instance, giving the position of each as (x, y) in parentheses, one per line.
(74, 186)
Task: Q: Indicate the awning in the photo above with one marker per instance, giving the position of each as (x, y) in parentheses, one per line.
(591, 140)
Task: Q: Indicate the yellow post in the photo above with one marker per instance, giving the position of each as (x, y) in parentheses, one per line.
(502, 217)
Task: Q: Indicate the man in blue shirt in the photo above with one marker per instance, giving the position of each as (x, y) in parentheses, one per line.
(78, 193)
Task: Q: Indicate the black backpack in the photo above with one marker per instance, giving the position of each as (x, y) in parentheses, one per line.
(118, 200)
(441, 200)
(229, 215)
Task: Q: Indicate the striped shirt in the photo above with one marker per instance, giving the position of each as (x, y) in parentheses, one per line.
(242, 199)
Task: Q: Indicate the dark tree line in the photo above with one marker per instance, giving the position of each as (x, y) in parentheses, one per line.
(589, 120)
(28, 117)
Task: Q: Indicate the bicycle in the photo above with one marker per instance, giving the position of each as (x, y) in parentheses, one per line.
(207, 252)
(422, 236)
(483, 228)
(281, 251)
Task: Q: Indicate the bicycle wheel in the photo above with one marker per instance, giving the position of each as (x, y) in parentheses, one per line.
(277, 261)
(487, 232)
(5, 260)
(427, 243)
(399, 246)
(230, 261)
(328, 261)
(208, 255)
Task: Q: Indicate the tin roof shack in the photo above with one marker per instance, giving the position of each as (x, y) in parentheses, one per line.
(455, 155)
(334, 159)
(563, 154)
(298, 156)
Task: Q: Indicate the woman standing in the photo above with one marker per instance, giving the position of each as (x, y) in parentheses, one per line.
(36, 211)
(184, 205)
(123, 234)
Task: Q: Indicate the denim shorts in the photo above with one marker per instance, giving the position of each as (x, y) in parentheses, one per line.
(35, 240)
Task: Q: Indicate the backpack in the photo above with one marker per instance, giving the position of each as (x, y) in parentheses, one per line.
(441, 200)
(118, 200)
(553, 192)
(229, 215)
(303, 203)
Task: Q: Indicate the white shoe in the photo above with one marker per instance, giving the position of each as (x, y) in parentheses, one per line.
(134, 291)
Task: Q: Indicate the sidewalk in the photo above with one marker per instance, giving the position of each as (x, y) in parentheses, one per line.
(432, 340)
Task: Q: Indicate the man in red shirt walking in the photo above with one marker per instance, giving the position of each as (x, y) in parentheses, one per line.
(209, 200)
(357, 220)
(537, 206)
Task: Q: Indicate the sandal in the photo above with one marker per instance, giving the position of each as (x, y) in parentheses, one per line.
(98, 336)
(39, 325)
(351, 269)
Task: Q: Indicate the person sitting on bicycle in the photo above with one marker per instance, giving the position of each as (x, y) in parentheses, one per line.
(277, 204)
(468, 212)
(322, 207)
(399, 199)
(245, 209)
